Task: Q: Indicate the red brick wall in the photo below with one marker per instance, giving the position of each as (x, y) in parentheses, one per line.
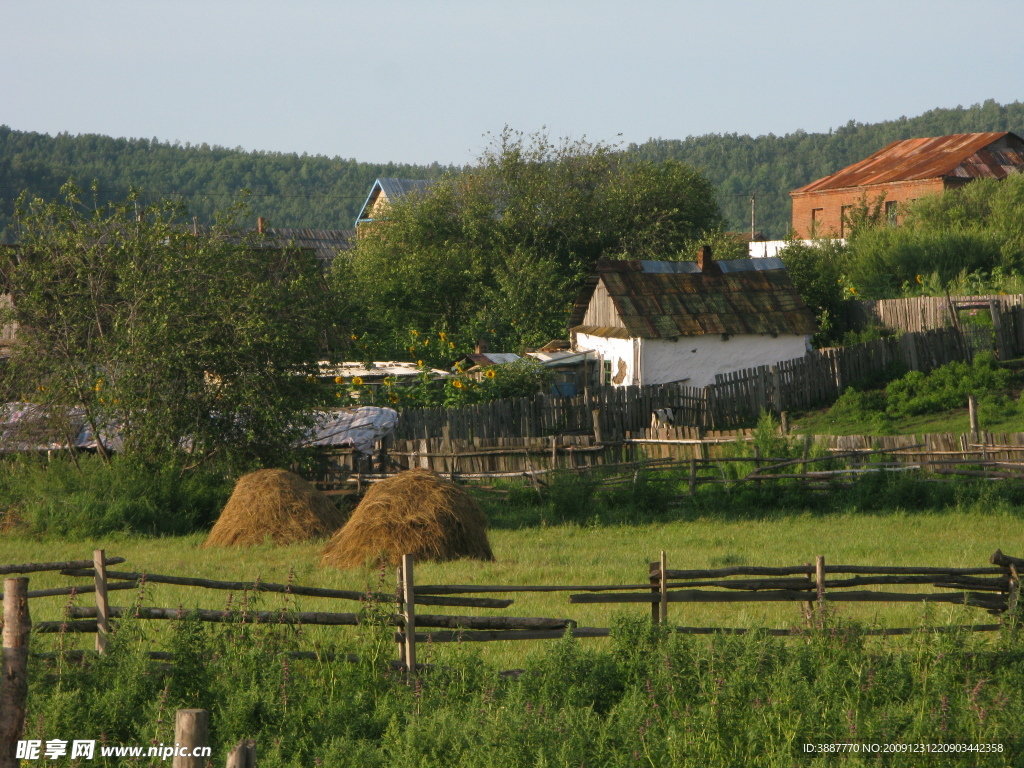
(828, 219)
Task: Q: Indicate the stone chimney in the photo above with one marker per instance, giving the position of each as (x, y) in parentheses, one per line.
(706, 262)
(261, 225)
(481, 347)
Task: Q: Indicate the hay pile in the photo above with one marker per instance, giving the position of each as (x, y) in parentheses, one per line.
(415, 513)
(274, 504)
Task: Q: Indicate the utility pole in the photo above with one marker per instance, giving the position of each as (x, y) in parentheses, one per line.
(753, 197)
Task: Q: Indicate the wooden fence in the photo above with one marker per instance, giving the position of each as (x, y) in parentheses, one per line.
(733, 400)
(995, 589)
(704, 454)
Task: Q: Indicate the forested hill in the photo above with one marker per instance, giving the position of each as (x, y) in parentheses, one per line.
(771, 166)
(321, 192)
(290, 190)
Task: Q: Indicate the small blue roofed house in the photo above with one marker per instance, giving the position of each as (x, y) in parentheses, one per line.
(384, 193)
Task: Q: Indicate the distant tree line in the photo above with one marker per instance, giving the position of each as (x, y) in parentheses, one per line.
(315, 191)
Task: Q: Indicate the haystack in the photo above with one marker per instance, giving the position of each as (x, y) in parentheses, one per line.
(274, 504)
(415, 513)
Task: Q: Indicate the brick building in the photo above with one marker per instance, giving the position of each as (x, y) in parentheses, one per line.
(901, 172)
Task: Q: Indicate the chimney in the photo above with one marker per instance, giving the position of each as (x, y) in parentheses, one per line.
(706, 262)
(261, 225)
(481, 347)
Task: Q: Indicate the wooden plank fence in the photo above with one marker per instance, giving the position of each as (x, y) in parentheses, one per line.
(734, 399)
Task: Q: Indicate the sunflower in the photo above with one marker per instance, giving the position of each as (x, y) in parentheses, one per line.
(357, 380)
(419, 363)
(457, 384)
(490, 373)
(393, 398)
(339, 379)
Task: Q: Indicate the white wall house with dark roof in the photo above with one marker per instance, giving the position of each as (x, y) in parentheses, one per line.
(652, 322)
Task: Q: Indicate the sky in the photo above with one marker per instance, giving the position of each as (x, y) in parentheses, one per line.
(420, 82)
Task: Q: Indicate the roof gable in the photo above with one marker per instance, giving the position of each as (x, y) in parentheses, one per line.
(391, 190)
(671, 299)
(963, 155)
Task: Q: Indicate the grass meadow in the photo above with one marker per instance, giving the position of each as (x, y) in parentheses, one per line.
(639, 698)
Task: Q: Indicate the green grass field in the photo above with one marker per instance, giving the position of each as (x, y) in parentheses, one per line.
(961, 536)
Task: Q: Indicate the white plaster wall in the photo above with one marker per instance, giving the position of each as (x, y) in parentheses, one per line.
(699, 358)
(627, 350)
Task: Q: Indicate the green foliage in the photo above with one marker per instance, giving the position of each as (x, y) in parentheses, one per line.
(87, 498)
(197, 344)
(948, 387)
(652, 698)
(915, 393)
(498, 251)
(817, 273)
(964, 241)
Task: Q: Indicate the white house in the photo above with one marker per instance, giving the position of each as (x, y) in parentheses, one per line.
(656, 322)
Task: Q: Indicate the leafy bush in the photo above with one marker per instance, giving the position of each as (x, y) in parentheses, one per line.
(948, 387)
(90, 498)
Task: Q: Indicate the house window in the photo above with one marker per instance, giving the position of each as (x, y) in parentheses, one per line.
(817, 215)
(844, 220)
(606, 373)
(890, 212)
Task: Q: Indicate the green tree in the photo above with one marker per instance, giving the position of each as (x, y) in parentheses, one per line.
(195, 346)
(499, 250)
(817, 273)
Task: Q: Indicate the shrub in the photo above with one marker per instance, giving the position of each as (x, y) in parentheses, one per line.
(88, 498)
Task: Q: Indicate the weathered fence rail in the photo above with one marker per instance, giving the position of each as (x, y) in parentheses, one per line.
(735, 398)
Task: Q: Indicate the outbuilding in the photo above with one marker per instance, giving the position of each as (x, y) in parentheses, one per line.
(657, 322)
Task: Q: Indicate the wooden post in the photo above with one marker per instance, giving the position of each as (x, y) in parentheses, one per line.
(809, 604)
(693, 477)
(409, 611)
(191, 729)
(595, 415)
(102, 607)
(784, 422)
(243, 755)
(663, 589)
(14, 683)
(807, 453)
(554, 452)
(655, 576)
(819, 580)
(972, 412)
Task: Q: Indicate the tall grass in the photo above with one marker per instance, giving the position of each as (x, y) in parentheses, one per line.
(89, 498)
(648, 699)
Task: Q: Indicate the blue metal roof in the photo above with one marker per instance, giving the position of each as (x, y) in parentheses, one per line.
(392, 189)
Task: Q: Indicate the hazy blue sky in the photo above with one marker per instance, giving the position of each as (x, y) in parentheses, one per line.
(418, 82)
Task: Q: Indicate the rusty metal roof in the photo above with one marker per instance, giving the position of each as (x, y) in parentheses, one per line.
(656, 303)
(962, 155)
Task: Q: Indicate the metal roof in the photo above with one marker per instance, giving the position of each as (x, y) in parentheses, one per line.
(392, 189)
(325, 243)
(663, 302)
(962, 155)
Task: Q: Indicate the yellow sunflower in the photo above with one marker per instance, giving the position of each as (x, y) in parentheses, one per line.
(339, 379)
(357, 380)
(490, 373)
(457, 384)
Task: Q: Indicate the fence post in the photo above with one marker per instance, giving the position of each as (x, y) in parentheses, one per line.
(409, 613)
(595, 415)
(99, 562)
(808, 604)
(191, 729)
(654, 572)
(819, 580)
(243, 755)
(693, 477)
(972, 412)
(14, 685)
(663, 589)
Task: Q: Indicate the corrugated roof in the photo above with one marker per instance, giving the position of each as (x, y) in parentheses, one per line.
(658, 301)
(962, 155)
(324, 242)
